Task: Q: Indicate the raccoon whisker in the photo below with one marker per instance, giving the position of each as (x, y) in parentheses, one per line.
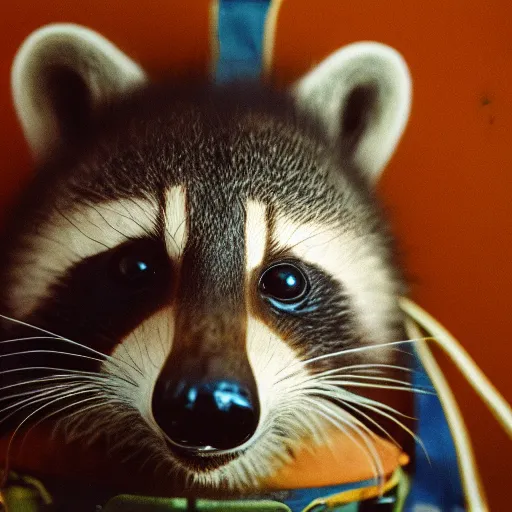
(342, 420)
(329, 391)
(129, 216)
(41, 396)
(71, 372)
(354, 397)
(44, 388)
(373, 422)
(327, 242)
(124, 235)
(179, 227)
(376, 378)
(135, 366)
(161, 339)
(117, 212)
(66, 218)
(67, 417)
(369, 371)
(314, 428)
(149, 358)
(313, 235)
(57, 352)
(28, 338)
(375, 346)
(96, 427)
(378, 366)
(172, 236)
(60, 396)
(20, 425)
(341, 371)
(351, 401)
(298, 365)
(411, 389)
(53, 413)
(126, 440)
(379, 410)
(72, 424)
(35, 396)
(119, 358)
(356, 367)
(98, 378)
(51, 399)
(113, 360)
(139, 345)
(378, 407)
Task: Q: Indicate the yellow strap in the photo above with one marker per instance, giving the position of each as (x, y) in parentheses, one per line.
(355, 495)
(269, 37)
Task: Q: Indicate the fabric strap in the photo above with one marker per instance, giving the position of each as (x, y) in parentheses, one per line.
(240, 31)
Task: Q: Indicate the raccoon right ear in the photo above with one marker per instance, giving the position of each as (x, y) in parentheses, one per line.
(362, 95)
(61, 73)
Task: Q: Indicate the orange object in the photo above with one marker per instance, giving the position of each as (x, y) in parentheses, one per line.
(342, 461)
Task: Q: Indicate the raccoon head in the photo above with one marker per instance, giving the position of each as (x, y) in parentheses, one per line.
(202, 273)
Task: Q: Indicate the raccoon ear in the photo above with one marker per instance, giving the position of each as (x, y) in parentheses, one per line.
(362, 95)
(60, 74)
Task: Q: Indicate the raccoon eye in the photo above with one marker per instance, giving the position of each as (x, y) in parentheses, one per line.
(284, 282)
(138, 264)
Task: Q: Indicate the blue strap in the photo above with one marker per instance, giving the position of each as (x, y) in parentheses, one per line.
(436, 484)
(241, 27)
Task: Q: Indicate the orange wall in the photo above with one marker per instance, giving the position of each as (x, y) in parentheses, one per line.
(448, 187)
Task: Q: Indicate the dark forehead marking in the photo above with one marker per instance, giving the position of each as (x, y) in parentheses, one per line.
(213, 264)
(165, 137)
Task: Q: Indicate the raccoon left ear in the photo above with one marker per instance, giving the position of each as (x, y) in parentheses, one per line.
(362, 96)
(60, 75)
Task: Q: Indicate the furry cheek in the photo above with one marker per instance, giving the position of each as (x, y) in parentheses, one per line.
(138, 359)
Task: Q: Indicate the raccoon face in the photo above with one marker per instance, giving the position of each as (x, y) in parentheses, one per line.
(195, 272)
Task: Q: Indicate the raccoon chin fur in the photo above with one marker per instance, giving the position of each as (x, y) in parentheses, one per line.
(194, 270)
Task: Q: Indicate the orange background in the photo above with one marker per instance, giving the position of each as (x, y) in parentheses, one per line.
(448, 187)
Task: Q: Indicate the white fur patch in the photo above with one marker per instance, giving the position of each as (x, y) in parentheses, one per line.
(67, 239)
(353, 260)
(255, 234)
(176, 221)
(140, 358)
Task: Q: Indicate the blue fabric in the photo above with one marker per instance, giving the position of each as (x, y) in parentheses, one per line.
(241, 25)
(436, 484)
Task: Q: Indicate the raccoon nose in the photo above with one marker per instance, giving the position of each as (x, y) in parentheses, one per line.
(218, 415)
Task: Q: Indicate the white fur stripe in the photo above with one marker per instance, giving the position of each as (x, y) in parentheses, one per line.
(140, 358)
(176, 221)
(352, 259)
(255, 234)
(70, 237)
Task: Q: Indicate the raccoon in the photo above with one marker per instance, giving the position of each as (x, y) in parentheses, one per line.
(201, 276)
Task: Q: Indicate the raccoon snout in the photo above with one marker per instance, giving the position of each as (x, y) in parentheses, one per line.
(209, 416)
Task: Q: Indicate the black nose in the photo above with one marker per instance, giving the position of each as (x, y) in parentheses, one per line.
(218, 415)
